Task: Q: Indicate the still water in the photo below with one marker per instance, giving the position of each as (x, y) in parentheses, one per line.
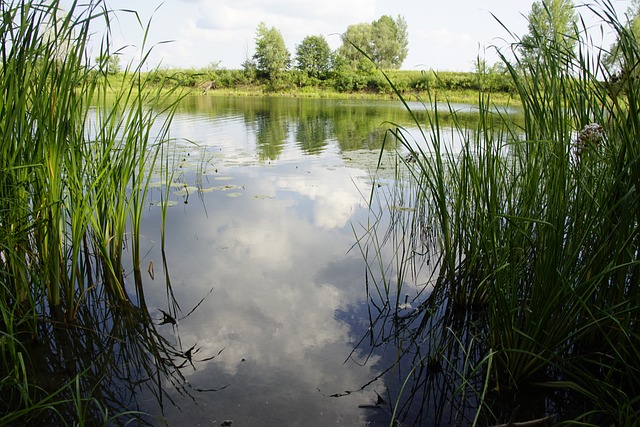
(263, 213)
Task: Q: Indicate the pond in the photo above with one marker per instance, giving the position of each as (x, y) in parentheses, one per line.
(263, 215)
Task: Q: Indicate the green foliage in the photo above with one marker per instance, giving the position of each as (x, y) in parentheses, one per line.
(357, 36)
(550, 22)
(342, 78)
(314, 56)
(249, 69)
(109, 64)
(349, 78)
(614, 60)
(390, 42)
(344, 71)
(384, 41)
(272, 58)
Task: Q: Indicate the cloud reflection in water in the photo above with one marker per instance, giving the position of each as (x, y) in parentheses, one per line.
(277, 266)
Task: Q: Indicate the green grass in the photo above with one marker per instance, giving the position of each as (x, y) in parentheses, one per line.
(76, 156)
(536, 226)
(189, 80)
(453, 86)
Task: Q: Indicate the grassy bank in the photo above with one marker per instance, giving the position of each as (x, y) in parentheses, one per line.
(452, 96)
(456, 87)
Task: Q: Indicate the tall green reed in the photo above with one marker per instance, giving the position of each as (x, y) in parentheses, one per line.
(76, 156)
(537, 224)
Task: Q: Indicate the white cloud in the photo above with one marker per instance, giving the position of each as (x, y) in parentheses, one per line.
(444, 35)
(234, 14)
(269, 303)
(225, 17)
(332, 205)
(225, 30)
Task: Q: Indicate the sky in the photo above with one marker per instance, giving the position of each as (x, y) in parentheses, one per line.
(444, 35)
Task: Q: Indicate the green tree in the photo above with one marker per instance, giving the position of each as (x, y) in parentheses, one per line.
(249, 69)
(272, 58)
(313, 55)
(384, 41)
(357, 37)
(110, 64)
(390, 41)
(550, 22)
(614, 60)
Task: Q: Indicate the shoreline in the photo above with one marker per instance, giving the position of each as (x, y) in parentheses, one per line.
(453, 96)
(195, 84)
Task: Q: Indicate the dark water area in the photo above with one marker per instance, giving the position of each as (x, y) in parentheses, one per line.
(263, 213)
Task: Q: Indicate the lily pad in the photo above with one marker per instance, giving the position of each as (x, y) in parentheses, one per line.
(184, 191)
(228, 187)
(156, 184)
(167, 203)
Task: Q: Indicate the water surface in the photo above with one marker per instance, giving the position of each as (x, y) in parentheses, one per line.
(263, 212)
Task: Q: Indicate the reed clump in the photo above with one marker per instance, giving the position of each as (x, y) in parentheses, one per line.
(537, 227)
(75, 161)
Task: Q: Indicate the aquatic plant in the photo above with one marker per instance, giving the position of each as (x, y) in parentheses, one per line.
(536, 228)
(76, 156)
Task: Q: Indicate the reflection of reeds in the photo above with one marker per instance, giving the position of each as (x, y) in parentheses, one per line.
(90, 371)
(75, 162)
(537, 230)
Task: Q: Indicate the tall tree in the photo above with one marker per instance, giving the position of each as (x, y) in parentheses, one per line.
(390, 41)
(272, 57)
(357, 37)
(313, 55)
(550, 22)
(384, 41)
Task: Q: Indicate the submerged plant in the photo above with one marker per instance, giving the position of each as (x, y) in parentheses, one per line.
(536, 226)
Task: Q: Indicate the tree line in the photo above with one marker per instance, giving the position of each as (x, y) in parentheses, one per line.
(383, 43)
(557, 23)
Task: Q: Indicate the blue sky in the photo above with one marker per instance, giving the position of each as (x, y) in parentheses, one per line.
(443, 34)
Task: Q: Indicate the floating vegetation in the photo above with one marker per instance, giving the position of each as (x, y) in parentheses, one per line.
(227, 188)
(207, 190)
(186, 190)
(157, 184)
(165, 204)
